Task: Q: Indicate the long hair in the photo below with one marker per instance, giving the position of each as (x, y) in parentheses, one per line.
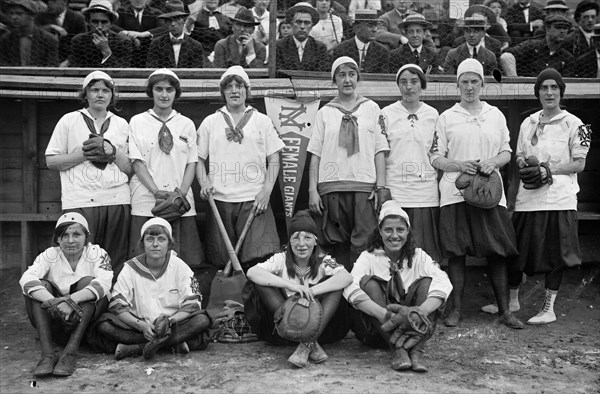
(314, 261)
(408, 250)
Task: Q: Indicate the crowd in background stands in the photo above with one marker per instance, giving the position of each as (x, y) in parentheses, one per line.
(509, 37)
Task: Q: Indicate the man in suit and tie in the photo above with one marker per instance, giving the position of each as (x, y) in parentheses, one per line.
(523, 18)
(371, 56)
(299, 51)
(414, 52)
(140, 22)
(64, 23)
(388, 30)
(100, 47)
(241, 48)
(588, 64)
(208, 26)
(26, 44)
(175, 49)
(579, 41)
(474, 31)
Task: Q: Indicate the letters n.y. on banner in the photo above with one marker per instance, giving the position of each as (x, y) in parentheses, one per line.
(293, 120)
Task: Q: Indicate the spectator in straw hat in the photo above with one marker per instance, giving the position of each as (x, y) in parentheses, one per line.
(529, 58)
(588, 64)
(371, 56)
(27, 44)
(100, 47)
(241, 48)
(388, 26)
(495, 39)
(474, 32)
(414, 27)
(300, 51)
(553, 7)
(175, 49)
(579, 41)
(140, 22)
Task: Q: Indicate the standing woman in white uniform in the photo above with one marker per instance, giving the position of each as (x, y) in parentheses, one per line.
(472, 137)
(545, 217)
(164, 154)
(409, 175)
(89, 149)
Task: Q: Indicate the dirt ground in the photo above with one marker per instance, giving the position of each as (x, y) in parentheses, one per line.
(479, 356)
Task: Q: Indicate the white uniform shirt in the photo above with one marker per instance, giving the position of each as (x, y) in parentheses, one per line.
(237, 171)
(462, 136)
(378, 263)
(276, 266)
(85, 185)
(166, 169)
(147, 297)
(409, 175)
(328, 31)
(335, 165)
(52, 265)
(564, 138)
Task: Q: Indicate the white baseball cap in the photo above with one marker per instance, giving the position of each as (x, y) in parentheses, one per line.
(391, 207)
(469, 65)
(339, 61)
(157, 222)
(236, 70)
(96, 75)
(73, 217)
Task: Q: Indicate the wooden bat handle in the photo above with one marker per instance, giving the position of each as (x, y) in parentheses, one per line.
(232, 256)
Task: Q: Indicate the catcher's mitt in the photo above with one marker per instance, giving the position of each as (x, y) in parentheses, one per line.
(162, 327)
(72, 319)
(172, 207)
(408, 324)
(94, 150)
(298, 319)
(479, 190)
(531, 174)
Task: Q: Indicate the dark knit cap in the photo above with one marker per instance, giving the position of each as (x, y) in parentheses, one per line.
(302, 221)
(549, 73)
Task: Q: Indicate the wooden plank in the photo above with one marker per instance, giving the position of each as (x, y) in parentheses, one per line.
(206, 73)
(30, 172)
(29, 217)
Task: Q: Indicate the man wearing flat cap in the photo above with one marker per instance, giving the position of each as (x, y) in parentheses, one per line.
(175, 49)
(553, 7)
(579, 41)
(299, 51)
(27, 44)
(588, 64)
(241, 48)
(531, 57)
(371, 56)
(414, 27)
(474, 31)
(100, 47)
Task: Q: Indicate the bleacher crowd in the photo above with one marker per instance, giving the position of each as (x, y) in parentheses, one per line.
(512, 38)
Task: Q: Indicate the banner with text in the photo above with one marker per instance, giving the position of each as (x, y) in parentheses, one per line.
(293, 119)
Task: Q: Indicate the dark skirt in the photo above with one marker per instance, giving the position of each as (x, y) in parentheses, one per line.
(262, 322)
(424, 223)
(546, 240)
(472, 231)
(185, 232)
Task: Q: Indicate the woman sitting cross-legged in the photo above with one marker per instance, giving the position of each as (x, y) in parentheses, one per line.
(392, 273)
(155, 302)
(65, 290)
(305, 271)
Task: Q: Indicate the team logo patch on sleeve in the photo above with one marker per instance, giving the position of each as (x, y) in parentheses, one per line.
(330, 262)
(105, 262)
(195, 285)
(585, 134)
(382, 125)
(434, 144)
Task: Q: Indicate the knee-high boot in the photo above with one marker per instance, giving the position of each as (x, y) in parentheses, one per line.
(42, 324)
(66, 362)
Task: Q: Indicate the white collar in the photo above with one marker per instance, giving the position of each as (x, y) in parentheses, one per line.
(180, 37)
(413, 49)
(300, 43)
(361, 44)
(471, 48)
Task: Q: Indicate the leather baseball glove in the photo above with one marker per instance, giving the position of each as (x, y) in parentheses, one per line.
(408, 324)
(72, 319)
(162, 327)
(172, 207)
(298, 319)
(94, 149)
(480, 190)
(531, 174)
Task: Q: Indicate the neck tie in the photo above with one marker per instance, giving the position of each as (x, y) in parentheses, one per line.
(236, 133)
(395, 292)
(92, 128)
(165, 138)
(474, 52)
(175, 41)
(348, 137)
(363, 55)
(138, 16)
(416, 53)
(300, 51)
